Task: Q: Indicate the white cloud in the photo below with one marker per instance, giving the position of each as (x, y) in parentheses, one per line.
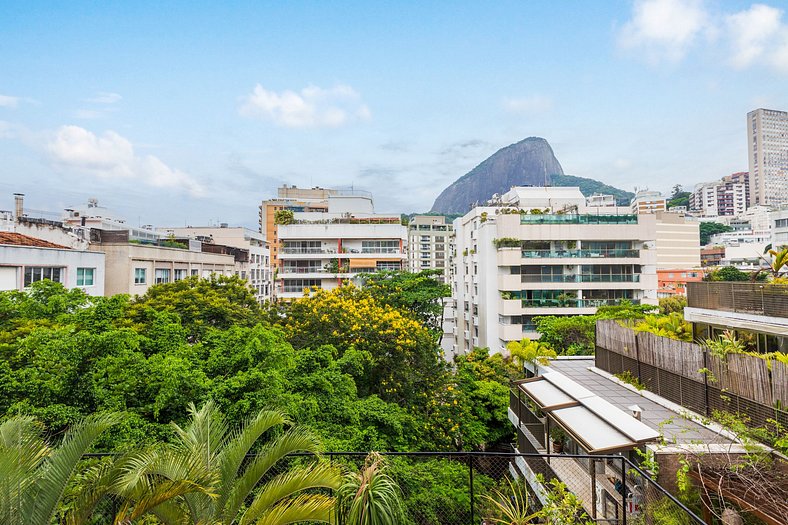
(664, 29)
(105, 98)
(311, 107)
(8, 102)
(759, 36)
(529, 104)
(112, 156)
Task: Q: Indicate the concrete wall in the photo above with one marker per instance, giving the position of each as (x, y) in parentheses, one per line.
(18, 257)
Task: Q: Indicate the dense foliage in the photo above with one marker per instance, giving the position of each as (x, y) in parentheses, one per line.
(363, 375)
(590, 187)
(707, 229)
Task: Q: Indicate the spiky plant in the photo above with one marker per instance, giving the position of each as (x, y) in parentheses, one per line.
(510, 505)
(370, 496)
(239, 488)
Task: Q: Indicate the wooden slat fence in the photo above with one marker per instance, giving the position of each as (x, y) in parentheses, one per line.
(675, 370)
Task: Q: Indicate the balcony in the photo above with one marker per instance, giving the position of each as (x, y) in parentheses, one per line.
(578, 219)
(574, 303)
(582, 278)
(769, 300)
(578, 254)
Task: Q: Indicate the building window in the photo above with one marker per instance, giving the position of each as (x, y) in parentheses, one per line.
(195, 273)
(140, 276)
(162, 275)
(180, 274)
(85, 276)
(39, 273)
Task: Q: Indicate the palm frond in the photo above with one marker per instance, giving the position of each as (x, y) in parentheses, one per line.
(289, 484)
(303, 508)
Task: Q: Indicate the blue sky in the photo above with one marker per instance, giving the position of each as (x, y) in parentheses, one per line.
(192, 112)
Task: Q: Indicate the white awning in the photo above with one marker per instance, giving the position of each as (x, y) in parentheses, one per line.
(596, 424)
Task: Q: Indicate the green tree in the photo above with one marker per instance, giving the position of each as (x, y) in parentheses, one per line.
(215, 302)
(261, 489)
(727, 273)
(568, 335)
(707, 229)
(674, 304)
(421, 294)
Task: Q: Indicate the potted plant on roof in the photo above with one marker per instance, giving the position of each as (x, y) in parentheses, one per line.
(558, 436)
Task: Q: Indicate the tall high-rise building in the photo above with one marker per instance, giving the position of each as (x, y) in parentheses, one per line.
(767, 143)
(429, 248)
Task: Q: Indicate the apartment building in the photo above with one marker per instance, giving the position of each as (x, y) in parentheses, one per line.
(779, 221)
(767, 148)
(541, 251)
(325, 246)
(256, 268)
(133, 267)
(726, 197)
(647, 201)
(599, 200)
(25, 260)
(291, 199)
(429, 248)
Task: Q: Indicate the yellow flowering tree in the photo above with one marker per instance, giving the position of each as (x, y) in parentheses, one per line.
(401, 358)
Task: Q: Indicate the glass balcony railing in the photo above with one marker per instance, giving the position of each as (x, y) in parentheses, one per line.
(576, 254)
(582, 278)
(574, 303)
(578, 219)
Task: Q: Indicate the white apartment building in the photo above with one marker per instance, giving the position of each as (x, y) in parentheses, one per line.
(325, 247)
(779, 220)
(767, 147)
(599, 200)
(429, 248)
(25, 260)
(256, 268)
(648, 201)
(541, 251)
(726, 197)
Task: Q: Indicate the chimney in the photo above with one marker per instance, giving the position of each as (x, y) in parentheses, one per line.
(19, 205)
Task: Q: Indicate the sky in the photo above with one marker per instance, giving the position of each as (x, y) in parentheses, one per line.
(175, 113)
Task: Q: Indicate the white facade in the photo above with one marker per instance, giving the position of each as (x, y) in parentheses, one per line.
(767, 147)
(325, 248)
(429, 244)
(21, 265)
(545, 264)
(779, 220)
(712, 199)
(648, 201)
(677, 241)
(256, 270)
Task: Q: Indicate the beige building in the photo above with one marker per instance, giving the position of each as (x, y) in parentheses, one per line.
(647, 201)
(132, 268)
(256, 268)
(677, 241)
(767, 148)
(429, 248)
(541, 251)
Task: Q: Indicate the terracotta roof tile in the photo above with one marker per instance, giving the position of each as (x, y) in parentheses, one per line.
(17, 239)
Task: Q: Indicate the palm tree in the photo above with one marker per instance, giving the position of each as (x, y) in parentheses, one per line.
(370, 497)
(527, 351)
(239, 487)
(34, 475)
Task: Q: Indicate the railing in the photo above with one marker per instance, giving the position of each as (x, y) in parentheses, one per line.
(306, 250)
(572, 254)
(453, 488)
(752, 298)
(578, 219)
(582, 278)
(574, 303)
(632, 497)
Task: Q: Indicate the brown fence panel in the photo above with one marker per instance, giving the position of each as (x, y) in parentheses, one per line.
(780, 383)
